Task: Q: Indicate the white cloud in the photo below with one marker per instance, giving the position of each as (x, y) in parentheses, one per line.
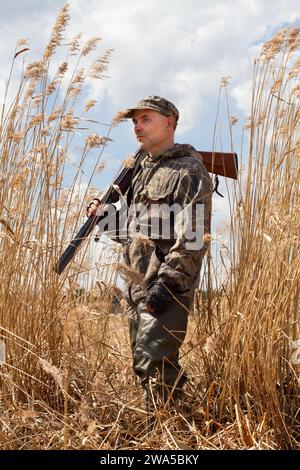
(173, 48)
(243, 96)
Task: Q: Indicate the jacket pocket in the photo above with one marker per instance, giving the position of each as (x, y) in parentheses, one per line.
(131, 297)
(161, 186)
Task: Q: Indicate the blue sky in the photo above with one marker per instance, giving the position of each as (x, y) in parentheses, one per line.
(178, 49)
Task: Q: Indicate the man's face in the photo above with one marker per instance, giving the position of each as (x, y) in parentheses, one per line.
(152, 129)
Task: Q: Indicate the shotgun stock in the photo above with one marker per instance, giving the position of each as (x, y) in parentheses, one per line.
(220, 163)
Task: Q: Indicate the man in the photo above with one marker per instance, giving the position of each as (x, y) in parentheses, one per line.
(158, 305)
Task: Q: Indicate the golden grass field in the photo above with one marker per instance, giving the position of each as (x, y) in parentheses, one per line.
(67, 381)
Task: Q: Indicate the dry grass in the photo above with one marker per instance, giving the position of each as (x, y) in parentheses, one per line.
(67, 380)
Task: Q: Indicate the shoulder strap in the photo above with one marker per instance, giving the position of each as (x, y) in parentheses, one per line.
(141, 154)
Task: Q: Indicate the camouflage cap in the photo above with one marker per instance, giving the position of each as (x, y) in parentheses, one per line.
(161, 105)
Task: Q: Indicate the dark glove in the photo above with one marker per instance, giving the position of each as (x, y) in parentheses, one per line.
(158, 299)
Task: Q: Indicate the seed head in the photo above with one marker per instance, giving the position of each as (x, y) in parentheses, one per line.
(35, 70)
(89, 105)
(75, 44)
(90, 45)
(94, 140)
(233, 119)
(68, 122)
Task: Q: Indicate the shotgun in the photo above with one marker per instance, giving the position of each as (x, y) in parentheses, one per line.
(219, 163)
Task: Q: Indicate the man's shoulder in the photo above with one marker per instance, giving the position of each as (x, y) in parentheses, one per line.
(182, 151)
(186, 157)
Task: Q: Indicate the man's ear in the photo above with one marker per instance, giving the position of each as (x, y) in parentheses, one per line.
(170, 121)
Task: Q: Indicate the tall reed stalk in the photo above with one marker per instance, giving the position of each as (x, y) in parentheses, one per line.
(250, 374)
(40, 209)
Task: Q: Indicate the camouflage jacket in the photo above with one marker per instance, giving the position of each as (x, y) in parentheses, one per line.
(177, 177)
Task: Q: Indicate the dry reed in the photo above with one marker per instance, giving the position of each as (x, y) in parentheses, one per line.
(67, 381)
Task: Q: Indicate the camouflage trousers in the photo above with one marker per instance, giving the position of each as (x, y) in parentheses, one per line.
(155, 342)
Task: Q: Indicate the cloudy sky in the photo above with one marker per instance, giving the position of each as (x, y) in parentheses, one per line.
(178, 49)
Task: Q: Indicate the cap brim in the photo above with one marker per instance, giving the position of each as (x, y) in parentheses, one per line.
(128, 113)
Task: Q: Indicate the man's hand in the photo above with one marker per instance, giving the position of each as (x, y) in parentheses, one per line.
(92, 208)
(158, 299)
